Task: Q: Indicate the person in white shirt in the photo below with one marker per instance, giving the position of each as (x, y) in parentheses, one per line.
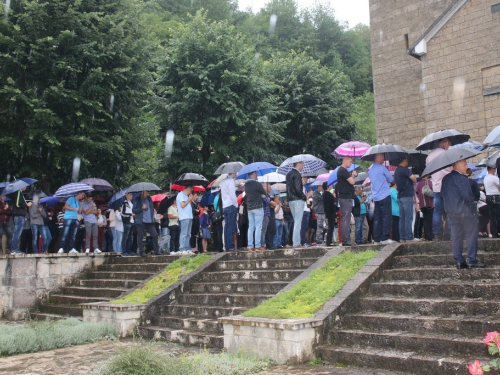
(492, 187)
(230, 210)
(279, 217)
(118, 233)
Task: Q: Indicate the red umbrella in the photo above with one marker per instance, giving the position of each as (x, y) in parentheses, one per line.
(158, 197)
(196, 189)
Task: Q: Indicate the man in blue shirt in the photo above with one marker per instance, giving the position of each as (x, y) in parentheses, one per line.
(145, 221)
(72, 208)
(184, 199)
(89, 212)
(406, 192)
(381, 194)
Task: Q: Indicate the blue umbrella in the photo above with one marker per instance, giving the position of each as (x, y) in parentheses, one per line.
(208, 199)
(17, 185)
(51, 201)
(119, 197)
(333, 176)
(474, 168)
(72, 189)
(470, 144)
(261, 167)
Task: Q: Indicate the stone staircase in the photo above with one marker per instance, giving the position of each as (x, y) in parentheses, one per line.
(108, 281)
(424, 316)
(232, 285)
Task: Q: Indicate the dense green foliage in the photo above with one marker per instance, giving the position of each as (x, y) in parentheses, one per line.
(310, 294)
(104, 80)
(36, 336)
(173, 272)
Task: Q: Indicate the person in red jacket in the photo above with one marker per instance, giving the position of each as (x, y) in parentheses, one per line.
(5, 215)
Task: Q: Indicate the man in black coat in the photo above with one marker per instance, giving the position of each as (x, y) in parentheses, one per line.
(461, 208)
(330, 212)
(296, 199)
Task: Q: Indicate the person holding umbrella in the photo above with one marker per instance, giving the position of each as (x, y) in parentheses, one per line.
(89, 210)
(254, 191)
(296, 199)
(183, 200)
(5, 214)
(145, 221)
(345, 195)
(229, 208)
(72, 210)
(19, 207)
(127, 215)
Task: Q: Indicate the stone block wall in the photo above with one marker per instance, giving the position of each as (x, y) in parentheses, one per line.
(26, 281)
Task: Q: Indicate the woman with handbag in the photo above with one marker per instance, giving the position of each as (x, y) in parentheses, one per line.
(426, 204)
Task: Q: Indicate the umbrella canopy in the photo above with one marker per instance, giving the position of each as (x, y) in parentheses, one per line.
(416, 159)
(449, 157)
(490, 161)
(17, 185)
(471, 144)
(72, 189)
(324, 176)
(353, 149)
(493, 134)
(230, 167)
(360, 178)
(316, 173)
(50, 201)
(197, 189)
(474, 168)
(311, 164)
(261, 167)
(166, 203)
(98, 184)
(143, 186)
(119, 197)
(191, 179)
(332, 179)
(431, 141)
(280, 187)
(495, 142)
(317, 182)
(390, 151)
(272, 178)
(208, 199)
(479, 177)
(158, 197)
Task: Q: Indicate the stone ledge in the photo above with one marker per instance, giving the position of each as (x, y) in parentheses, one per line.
(112, 306)
(284, 324)
(56, 255)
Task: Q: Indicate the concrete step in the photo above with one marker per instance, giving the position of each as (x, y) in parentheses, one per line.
(487, 289)
(223, 300)
(93, 292)
(444, 345)
(63, 310)
(472, 327)
(264, 264)
(443, 307)
(396, 360)
(312, 252)
(204, 312)
(141, 267)
(271, 287)
(181, 336)
(104, 283)
(147, 259)
(441, 274)
(444, 247)
(441, 260)
(188, 324)
(242, 276)
(109, 275)
(43, 316)
(62, 299)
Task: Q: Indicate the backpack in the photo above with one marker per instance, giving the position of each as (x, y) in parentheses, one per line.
(427, 191)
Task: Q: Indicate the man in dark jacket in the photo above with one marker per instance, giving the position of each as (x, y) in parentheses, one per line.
(144, 221)
(5, 214)
(461, 208)
(254, 192)
(330, 208)
(19, 211)
(296, 199)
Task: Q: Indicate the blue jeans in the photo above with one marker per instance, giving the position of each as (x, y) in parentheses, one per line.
(359, 221)
(18, 229)
(279, 233)
(165, 249)
(255, 218)
(287, 229)
(303, 227)
(186, 226)
(70, 226)
(230, 227)
(297, 208)
(127, 238)
(464, 228)
(44, 231)
(117, 241)
(438, 216)
(406, 208)
(346, 206)
(382, 219)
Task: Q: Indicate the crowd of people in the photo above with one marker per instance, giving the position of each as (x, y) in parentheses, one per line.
(396, 208)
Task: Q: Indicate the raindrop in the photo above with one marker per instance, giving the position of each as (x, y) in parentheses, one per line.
(48, 156)
(423, 86)
(169, 143)
(256, 56)
(73, 33)
(31, 52)
(76, 169)
(111, 102)
(192, 4)
(7, 8)
(459, 87)
(116, 115)
(92, 117)
(381, 36)
(40, 152)
(117, 168)
(8, 177)
(272, 23)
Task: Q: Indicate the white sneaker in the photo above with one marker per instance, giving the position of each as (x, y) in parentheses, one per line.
(97, 251)
(87, 251)
(415, 240)
(387, 242)
(61, 251)
(73, 251)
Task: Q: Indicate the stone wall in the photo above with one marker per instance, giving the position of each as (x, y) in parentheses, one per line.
(445, 88)
(27, 280)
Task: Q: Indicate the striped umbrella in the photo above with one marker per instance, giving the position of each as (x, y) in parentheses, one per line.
(72, 189)
(353, 149)
(311, 164)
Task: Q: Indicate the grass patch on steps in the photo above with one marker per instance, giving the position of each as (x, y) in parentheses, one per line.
(35, 336)
(309, 295)
(152, 359)
(173, 272)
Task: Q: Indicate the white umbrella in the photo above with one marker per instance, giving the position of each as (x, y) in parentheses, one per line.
(272, 177)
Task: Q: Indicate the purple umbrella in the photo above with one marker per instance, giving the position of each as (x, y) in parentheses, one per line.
(353, 149)
(98, 184)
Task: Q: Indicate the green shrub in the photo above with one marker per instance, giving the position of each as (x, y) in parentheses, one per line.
(35, 336)
(309, 295)
(173, 272)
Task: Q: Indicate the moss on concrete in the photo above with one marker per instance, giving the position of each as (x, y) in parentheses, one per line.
(173, 272)
(310, 294)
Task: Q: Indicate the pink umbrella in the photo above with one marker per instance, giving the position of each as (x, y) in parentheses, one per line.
(354, 149)
(324, 176)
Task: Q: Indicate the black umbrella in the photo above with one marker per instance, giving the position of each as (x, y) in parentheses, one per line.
(431, 141)
(230, 167)
(390, 151)
(143, 186)
(166, 203)
(416, 159)
(489, 161)
(192, 179)
(449, 157)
